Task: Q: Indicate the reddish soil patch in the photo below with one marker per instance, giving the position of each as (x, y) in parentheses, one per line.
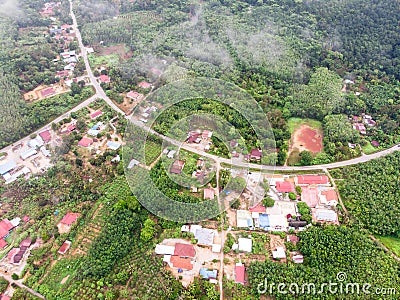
(306, 138)
(120, 49)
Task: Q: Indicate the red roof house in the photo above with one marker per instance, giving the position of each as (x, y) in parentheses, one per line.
(71, 127)
(177, 167)
(105, 79)
(309, 195)
(47, 92)
(25, 243)
(65, 224)
(284, 187)
(144, 85)
(96, 114)
(239, 274)
(85, 142)
(184, 250)
(206, 134)
(12, 253)
(5, 297)
(255, 154)
(45, 135)
(63, 73)
(258, 208)
(194, 137)
(64, 247)
(134, 95)
(181, 263)
(3, 244)
(375, 144)
(312, 179)
(5, 227)
(70, 218)
(65, 26)
(209, 194)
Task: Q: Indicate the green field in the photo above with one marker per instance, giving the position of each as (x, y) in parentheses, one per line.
(369, 149)
(109, 60)
(391, 242)
(294, 123)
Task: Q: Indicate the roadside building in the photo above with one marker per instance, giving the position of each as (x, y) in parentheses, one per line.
(28, 153)
(285, 187)
(208, 274)
(209, 194)
(45, 135)
(303, 180)
(204, 236)
(255, 154)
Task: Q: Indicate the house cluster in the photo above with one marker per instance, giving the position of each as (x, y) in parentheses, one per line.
(49, 8)
(147, 111)
(320, 196)
(361, 123)
(202, 137)
(6, 226)
(317, 193)
(274, 218)
(12, 169)
(190, 260)
(16, 255)
(255, 155)
(204, 236)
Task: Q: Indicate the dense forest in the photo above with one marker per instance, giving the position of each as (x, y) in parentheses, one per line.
(291, 56)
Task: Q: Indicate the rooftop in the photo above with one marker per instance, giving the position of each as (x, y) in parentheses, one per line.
(70, 218)
(85, 142)
(209, 194)
(184, 250)
(285, 187)
(312, 179)
(181, 263)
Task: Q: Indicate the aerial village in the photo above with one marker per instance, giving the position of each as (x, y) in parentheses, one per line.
(261, 222)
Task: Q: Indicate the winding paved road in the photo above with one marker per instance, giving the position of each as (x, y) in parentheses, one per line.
(102, 95)
(99, 90)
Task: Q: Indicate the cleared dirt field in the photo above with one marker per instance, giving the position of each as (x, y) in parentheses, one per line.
(304, 137)
(120, 49)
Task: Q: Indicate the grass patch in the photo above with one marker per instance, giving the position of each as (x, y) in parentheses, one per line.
(294, 157)
(109, 60)
(152, 151)
(391, 242)
(294, 123)
(369, 149)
